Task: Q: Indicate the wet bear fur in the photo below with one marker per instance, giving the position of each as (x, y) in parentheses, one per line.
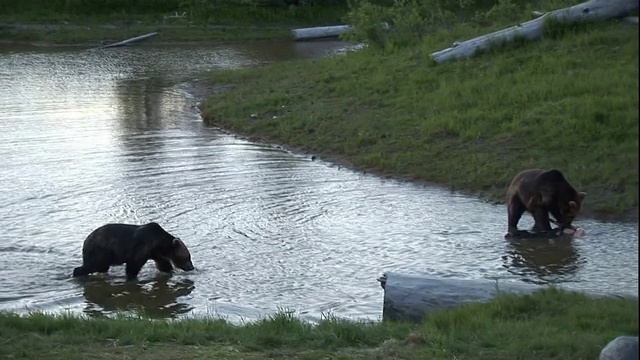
(133, 245)
(542, 192)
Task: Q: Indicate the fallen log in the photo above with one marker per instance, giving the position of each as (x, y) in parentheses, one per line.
(411, 297)
(325, 31)
(129, 41)
(319, 32)
(533, 29)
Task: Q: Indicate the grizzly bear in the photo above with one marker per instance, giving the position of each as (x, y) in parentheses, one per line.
(117, 244)
(542, 192)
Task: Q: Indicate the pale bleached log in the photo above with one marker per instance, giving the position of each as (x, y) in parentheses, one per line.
(533, 29)
(319, 32)
(412, 297)
(129, 41)
(325, 31)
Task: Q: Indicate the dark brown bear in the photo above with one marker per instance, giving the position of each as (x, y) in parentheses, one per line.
(542, 193)
(117, 244)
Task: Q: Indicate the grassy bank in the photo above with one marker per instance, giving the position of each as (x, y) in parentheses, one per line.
(548, 325)
(81, 21)
(569, 101)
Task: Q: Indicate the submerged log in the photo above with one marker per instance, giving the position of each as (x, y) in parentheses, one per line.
(129, 41)
(533, 29)
(411, 297)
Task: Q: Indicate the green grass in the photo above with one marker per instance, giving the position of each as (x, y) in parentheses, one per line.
(550, 324)
(569, 101)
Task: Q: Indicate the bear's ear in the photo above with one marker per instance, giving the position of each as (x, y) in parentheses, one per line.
(573, 205)
(176, 242)
(581, 195)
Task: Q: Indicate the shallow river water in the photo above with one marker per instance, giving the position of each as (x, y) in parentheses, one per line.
(90, 137)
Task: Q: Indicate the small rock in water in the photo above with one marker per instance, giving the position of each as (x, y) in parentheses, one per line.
(621, 348)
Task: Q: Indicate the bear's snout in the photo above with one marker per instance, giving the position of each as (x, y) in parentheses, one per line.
(188, 267)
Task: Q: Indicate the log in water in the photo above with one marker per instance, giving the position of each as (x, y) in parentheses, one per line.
(129, 41)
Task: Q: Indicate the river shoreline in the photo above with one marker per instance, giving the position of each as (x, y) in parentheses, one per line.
(630, 216)
(184, 35)
(202, 89)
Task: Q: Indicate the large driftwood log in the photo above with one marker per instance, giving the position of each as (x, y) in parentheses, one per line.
(411, 297)
(533, 29)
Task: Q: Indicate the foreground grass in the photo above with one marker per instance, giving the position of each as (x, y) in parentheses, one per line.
(569, 101)
(551, 324)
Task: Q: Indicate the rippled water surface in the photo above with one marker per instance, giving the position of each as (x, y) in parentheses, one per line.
(90, 137)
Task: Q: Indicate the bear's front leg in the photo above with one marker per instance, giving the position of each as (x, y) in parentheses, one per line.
(541, 218)
(163, 265)
(515, 210)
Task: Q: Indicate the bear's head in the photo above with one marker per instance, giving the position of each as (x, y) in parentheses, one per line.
(180, 255)
(570, 209)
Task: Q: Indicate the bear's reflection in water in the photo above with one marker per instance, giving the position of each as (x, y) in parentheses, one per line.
(156, 298)
(542, 261)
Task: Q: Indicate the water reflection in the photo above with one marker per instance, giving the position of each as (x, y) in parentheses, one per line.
(138, 102)
(159, 298)
(545, 259)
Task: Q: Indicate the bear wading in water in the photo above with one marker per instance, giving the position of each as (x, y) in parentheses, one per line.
(117, 244)
(542, 192)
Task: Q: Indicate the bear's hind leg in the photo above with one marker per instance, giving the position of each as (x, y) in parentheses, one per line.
(94, 262)
(133, 268)
(86, 270)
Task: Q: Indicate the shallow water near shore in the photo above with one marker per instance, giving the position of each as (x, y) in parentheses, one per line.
(89, 137)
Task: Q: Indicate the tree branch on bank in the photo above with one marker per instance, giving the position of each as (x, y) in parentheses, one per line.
(533, 29)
